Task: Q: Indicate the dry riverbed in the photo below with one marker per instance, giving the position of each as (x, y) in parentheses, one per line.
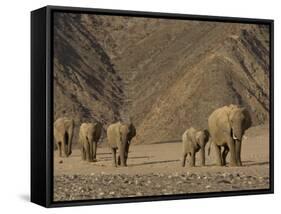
(154, 169)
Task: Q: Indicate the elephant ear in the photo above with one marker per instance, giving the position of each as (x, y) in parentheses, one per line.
(131, 132)
(247, 116)
(206, 133)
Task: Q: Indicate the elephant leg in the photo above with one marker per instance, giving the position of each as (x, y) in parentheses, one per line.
(233, 160)
(202, 152)
(83, 153)
(238, 152)
(126, 158)
(183, 159)
(118, 160)
(69, 145)
(126, 153)
(218, 154)
(91, 151)
(62, 146)
(65, 143)
(122, 155)
(87, 150)
(95, 151)
(113, 150)
(59, 148)
(192, 159)
(224, 154)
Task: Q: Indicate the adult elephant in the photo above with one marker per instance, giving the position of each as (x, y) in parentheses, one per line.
(119, 136)
(227, 126)
(63, 134)
(192, 142)
(89, 135)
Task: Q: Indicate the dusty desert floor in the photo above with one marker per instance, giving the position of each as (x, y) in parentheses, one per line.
(155, 169)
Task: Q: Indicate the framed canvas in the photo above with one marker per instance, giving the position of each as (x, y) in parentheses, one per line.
(141, 106)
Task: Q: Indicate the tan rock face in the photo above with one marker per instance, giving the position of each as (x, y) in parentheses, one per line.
(163, 75)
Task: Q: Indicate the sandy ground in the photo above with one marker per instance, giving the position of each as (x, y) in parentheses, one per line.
(158, 166)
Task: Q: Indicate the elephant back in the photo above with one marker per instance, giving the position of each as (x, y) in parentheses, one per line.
(62, 124)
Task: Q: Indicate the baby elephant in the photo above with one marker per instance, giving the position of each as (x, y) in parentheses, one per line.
(89, 136)
(193, 141)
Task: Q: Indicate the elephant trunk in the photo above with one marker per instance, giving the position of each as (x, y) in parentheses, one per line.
(92, 148)
(237, 133)
(123, 149)
(238, 152)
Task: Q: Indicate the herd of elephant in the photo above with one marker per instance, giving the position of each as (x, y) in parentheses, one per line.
(119, 136)
(227, 126)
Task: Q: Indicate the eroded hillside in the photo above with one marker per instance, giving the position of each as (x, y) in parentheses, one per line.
(166, 75)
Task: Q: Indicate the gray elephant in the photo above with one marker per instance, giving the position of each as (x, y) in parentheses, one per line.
(119, 136)
(89, 135)
(227, 126)
(192, 142)
(63, 134)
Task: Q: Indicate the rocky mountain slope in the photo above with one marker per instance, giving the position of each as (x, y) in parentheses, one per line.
(165, 75)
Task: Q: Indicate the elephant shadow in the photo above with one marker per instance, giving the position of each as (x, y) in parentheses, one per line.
(103, 153)
(154, 162)
(140, 157)
(167, 141)
(254, 163)
(245, 164)
(110, 158)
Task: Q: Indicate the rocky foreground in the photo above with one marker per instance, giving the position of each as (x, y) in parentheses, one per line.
(99, 186)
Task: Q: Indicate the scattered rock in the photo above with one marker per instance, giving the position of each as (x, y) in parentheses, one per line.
(224, 181)
(82, 187)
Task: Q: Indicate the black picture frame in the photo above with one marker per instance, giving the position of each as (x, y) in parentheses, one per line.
(42, 104)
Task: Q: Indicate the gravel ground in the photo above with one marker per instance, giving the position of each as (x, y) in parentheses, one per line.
(155, 169)
(99, 186)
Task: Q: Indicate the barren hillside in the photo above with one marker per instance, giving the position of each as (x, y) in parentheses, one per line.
(165, 75)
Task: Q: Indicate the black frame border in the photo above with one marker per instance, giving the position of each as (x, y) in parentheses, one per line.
(45, 198)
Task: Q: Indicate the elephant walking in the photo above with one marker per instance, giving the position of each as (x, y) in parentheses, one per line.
(89, 135)
(194, 141)
(119, 136)
(63, 134)
(227, 126)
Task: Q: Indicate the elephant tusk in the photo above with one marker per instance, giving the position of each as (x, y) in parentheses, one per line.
(234, 137)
